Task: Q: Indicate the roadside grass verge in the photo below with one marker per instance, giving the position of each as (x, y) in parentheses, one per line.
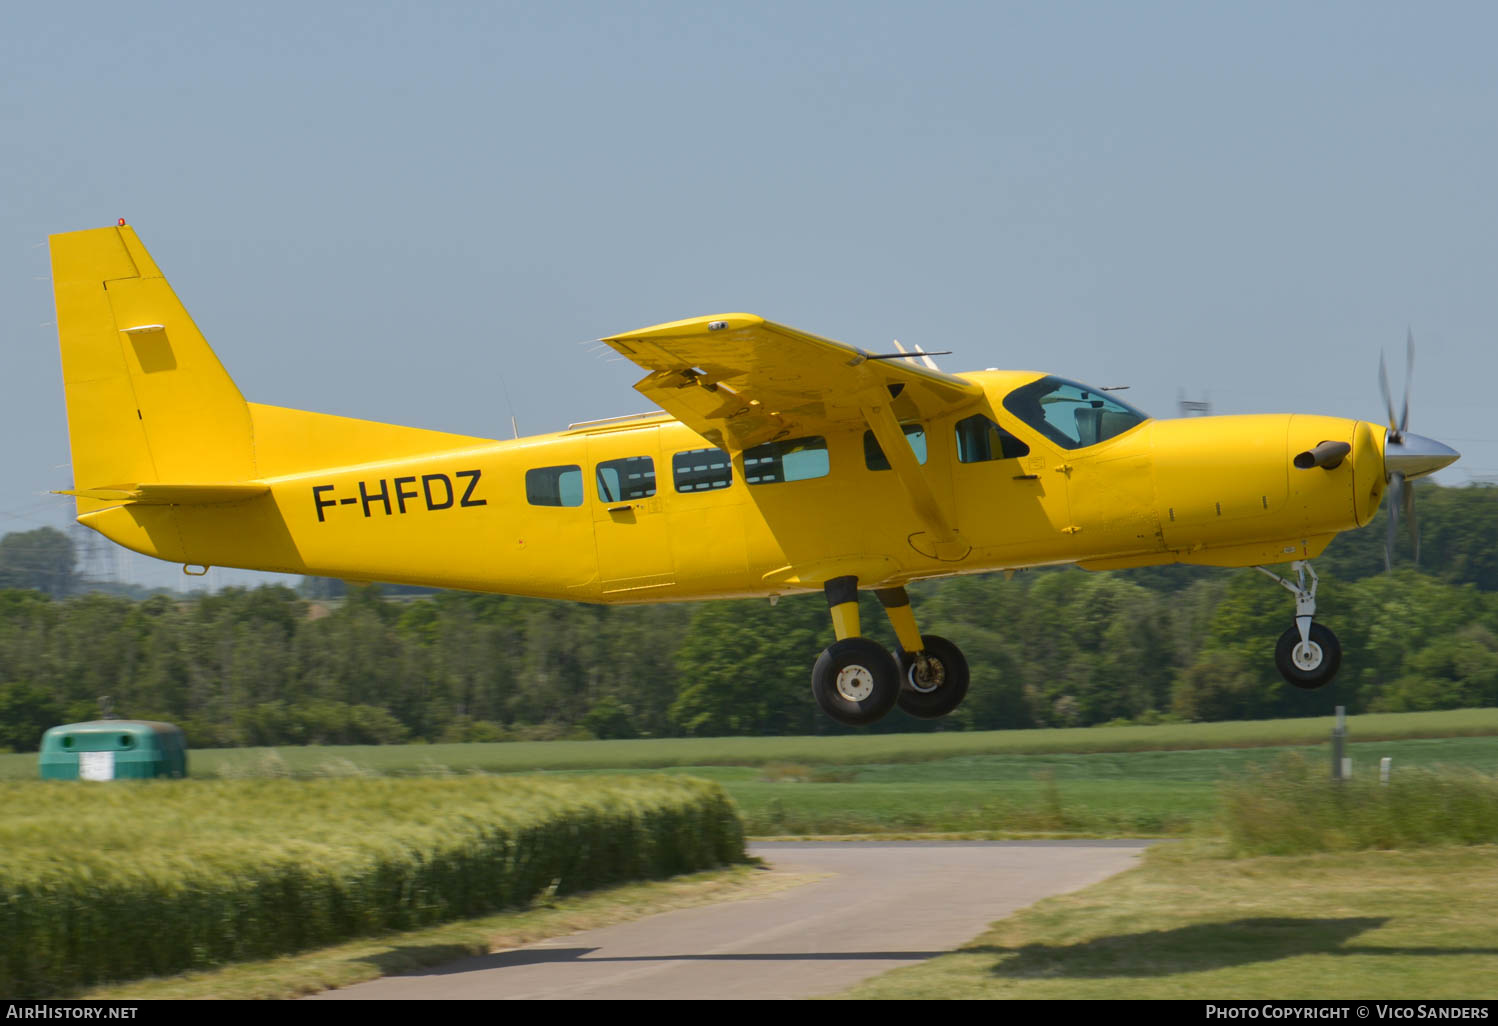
(1189, 923)
(111, 882)
(1292, 808)
(346, 964)
(842, 750)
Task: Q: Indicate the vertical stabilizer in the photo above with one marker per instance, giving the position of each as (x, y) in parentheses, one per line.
(147, 399)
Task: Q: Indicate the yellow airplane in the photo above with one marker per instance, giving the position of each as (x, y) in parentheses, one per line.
(783, 462)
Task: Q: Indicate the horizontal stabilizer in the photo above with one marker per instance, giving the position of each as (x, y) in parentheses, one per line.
(159, 494)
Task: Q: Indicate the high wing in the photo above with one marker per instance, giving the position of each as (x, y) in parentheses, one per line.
(741, 381)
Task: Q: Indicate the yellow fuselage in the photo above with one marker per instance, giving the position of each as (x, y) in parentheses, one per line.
(1217, 490)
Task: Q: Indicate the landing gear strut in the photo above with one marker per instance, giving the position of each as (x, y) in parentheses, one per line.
(856, 681)
(1308, 654)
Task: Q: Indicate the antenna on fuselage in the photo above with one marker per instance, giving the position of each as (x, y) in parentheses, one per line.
(1193, 407)
(505, 388)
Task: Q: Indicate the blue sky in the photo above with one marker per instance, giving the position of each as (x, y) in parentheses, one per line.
(419, 212)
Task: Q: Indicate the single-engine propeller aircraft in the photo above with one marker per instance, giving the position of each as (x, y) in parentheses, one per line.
(781, 462)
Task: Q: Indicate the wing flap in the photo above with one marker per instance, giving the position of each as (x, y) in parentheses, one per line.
(740, 380)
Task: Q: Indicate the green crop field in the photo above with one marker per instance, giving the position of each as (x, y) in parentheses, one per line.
(101, 882)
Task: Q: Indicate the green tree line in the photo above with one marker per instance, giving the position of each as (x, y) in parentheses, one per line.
(1047, 648)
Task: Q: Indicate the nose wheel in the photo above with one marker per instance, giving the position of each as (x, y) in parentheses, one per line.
(1311, 663)
(1307, 655)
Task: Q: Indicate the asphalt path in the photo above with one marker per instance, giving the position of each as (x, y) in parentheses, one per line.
(881, 906)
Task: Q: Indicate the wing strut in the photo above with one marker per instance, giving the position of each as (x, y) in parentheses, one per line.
(948, 542)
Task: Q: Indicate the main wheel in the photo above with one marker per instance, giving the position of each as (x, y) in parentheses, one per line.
(855, 681)
(933, 686)
(1312, 665)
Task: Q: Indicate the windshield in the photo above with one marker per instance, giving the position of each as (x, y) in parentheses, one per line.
(1071, 415)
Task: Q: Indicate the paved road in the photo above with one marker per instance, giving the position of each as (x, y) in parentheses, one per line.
(888, 905)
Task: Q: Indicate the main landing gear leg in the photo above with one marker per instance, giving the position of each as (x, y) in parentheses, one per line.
(933, 672)
(1307, 655)
(855, 680)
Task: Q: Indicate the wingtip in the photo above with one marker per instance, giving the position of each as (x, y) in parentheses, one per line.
(690, 326)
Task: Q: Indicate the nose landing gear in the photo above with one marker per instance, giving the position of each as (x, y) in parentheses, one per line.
(1307, 655)
(856, 680)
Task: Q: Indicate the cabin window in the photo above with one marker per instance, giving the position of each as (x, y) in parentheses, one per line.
(980, 439)
(1071, 415)
(873, 455)
(701, 470)
(795, 459)
(632, 477)
(554, 486)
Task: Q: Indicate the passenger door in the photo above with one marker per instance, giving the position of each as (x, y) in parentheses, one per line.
(623, 481)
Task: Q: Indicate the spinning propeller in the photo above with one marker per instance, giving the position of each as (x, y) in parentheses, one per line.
(1406, 456)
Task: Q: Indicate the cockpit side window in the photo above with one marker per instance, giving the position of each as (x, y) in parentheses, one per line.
(1071, 415)
(874, 458)
(980, 440)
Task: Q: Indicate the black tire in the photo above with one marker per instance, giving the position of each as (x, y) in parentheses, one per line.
(1324, 644)
(936, 689)
(855, 681)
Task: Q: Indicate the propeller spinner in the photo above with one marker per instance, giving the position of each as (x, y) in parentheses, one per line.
(1406, 456)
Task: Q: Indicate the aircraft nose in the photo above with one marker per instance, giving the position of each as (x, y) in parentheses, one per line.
(1415, 455)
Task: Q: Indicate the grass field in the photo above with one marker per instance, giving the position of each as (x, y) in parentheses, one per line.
(850, 749)
(1114, 794)
(1101, 781)
(1190, 923)
(1367, 890)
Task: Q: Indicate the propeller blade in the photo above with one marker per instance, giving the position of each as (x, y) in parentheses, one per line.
(1396, 500)
(1409, 514)
(1409, 373)
(1405, 456)
(1383, 384)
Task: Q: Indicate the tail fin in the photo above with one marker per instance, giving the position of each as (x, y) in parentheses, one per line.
(147, 399)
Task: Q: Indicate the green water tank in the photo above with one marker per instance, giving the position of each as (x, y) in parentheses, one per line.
(113, 750)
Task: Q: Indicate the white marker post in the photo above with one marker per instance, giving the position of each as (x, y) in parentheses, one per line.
(1341, 767)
